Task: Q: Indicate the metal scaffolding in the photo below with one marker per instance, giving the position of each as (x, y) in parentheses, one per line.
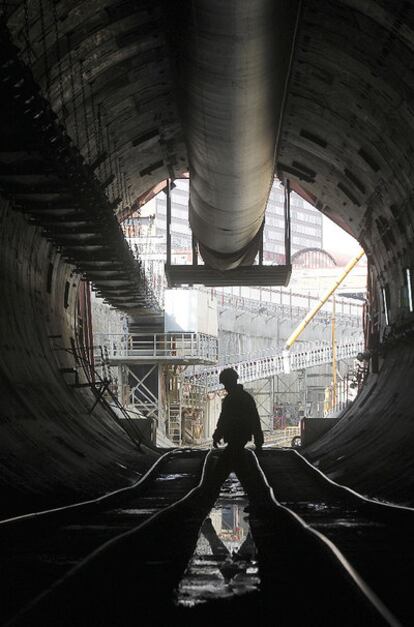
(146, 370)
(284, 362)
(174, 348)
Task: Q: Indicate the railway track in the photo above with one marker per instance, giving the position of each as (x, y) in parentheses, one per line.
(376, 538)
(38, 549)
(313, 542)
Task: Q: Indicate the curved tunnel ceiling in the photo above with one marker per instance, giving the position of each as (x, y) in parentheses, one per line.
(348, 130)
(346, 143)
(348, 123)
(107, 71)
(115, 73)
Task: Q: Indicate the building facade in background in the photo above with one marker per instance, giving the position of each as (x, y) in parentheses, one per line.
(306, 224)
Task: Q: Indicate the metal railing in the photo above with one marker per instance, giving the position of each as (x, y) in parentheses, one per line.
(271, 302)
(281, 363)
(106, 397)
(282, 437)
(287, 304)
(168, 347)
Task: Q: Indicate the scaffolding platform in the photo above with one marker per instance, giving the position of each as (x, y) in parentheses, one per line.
(178, 275)
(159, 348)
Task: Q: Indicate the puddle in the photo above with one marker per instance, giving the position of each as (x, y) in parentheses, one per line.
(344, 523)
(136, 512)
(333, 516)
(224, 561)
(173, 477)
(319, 506)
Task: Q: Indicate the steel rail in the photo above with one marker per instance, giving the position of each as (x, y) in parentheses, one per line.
(364, 500)
(328, 548)
(77, 507)
(109, 544)
(331, 549)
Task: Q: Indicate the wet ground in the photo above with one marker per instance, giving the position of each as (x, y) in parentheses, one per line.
(224, 563)
(197, 563)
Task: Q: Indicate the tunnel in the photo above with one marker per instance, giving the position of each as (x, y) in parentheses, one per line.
(332, 113)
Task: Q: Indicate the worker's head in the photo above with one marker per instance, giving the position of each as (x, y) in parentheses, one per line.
(228, 377)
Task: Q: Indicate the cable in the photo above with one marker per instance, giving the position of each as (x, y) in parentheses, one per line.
(59, 59)
(27, 32)
(85, 115)
(45, 55)
(72, 83)
(142, 440)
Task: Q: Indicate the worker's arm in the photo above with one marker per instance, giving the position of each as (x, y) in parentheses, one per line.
(256, 426)
(216, 437)
(218, 433)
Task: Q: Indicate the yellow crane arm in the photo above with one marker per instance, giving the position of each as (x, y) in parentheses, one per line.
(312, 313)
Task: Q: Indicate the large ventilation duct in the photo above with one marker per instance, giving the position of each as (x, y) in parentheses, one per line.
(233, 64)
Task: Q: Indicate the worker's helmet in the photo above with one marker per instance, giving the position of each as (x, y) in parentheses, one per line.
(228, 375)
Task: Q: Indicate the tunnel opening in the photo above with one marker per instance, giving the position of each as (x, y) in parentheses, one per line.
(313, 270)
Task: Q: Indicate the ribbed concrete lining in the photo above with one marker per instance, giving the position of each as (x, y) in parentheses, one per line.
(235, 60)
(371, 448)
(347, 135)
(52, 450)
(114, 61)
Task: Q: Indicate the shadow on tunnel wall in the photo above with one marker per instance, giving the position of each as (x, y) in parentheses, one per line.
(370, 448)
(53, 450)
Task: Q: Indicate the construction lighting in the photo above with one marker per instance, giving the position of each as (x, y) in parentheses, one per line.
(410, 291)
(384, 297)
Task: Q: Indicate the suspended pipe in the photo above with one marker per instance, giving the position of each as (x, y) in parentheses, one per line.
(234, 63)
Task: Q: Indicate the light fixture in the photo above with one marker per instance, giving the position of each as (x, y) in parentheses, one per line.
(410, 291)
(384, 296)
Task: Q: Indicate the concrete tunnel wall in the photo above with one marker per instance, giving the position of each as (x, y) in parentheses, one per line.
(346, 144)
(371, 447)
(52, 450)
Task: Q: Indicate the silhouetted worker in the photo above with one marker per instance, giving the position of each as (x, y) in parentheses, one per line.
(239, 419)
(238, 423)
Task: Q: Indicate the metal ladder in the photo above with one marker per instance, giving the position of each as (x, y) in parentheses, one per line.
(174, 426)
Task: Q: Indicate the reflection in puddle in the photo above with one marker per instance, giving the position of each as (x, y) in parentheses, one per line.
(136, 511)
(224, 561)
(333, 516)
(181, 475)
